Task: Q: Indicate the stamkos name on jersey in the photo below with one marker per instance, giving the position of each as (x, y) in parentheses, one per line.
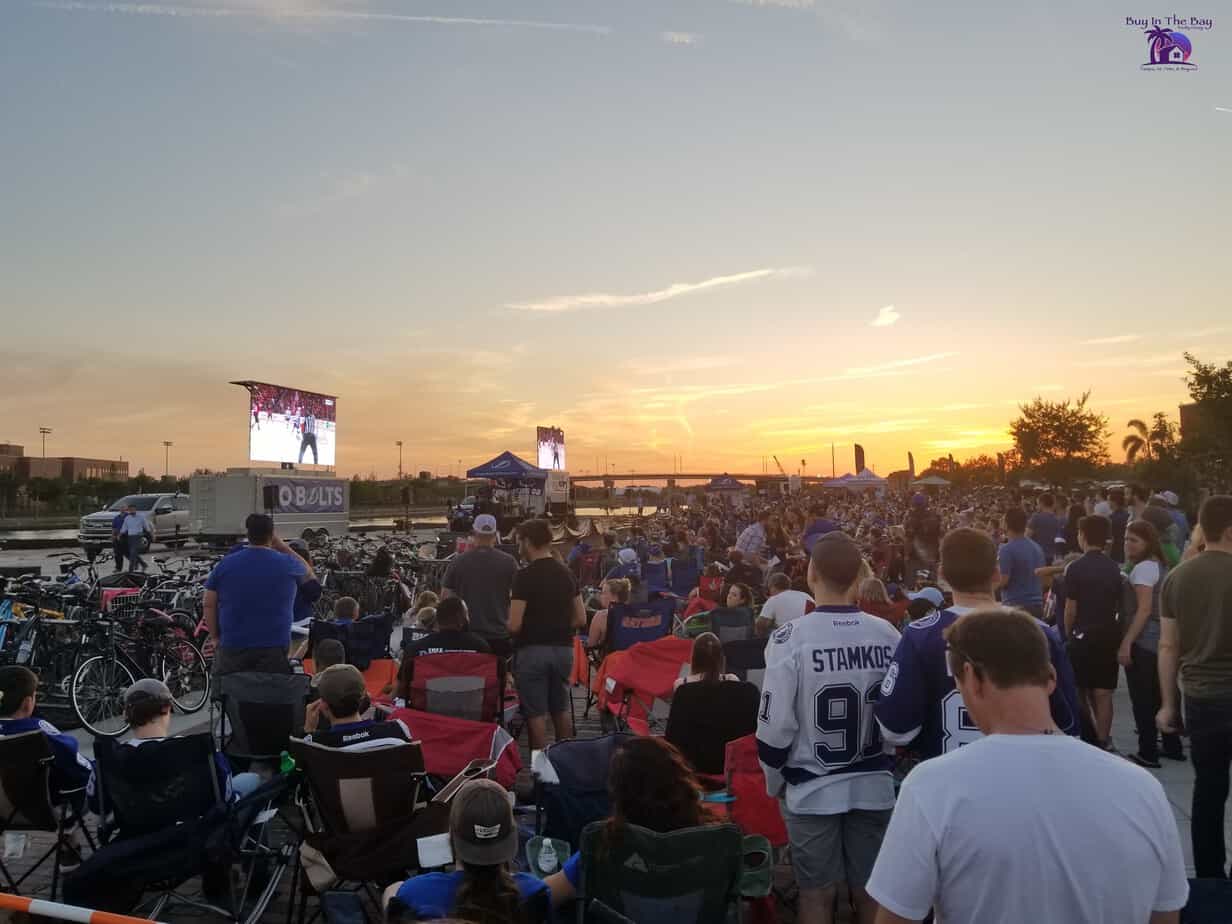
(852, 658)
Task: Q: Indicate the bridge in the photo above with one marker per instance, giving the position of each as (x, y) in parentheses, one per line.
(673, 478)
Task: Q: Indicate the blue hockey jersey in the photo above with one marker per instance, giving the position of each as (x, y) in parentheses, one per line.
(921, 707)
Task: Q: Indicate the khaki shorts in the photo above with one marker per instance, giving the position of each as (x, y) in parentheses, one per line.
(829, 849)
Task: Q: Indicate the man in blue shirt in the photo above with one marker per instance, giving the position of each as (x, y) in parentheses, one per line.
(1044, 526)
(250, 602)
(1019, 559)
(119, 545)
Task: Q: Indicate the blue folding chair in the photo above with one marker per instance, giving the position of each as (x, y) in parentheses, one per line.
(656, 575)
(685, 574)
(629, 623)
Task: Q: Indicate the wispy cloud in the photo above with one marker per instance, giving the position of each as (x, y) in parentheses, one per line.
(305, 13)
(680, 38)
(675, 290)
(883, 368)
(1222, 109)
(336, 188)
(1108, 341)
(1204, 332)
(886, 317)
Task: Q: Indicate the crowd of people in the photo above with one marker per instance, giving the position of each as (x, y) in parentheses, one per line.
(934, 719)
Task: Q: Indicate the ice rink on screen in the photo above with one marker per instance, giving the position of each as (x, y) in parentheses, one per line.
(276, 441)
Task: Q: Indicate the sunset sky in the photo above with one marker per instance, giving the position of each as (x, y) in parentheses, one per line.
(675, 228)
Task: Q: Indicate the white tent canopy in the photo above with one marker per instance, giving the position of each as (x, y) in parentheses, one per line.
(932, 481)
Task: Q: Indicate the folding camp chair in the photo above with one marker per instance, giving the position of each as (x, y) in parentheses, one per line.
(465, 685)
(638, 683)
(746, 658)
(689, 876)
(260, 712)
(154, 786)
(359, 811)
(231, 838)
(26, 803)
(732, 623)
(571, 779)
(629, 624)
(450, 744)
(367, 641)
(656, 575)
(685, 574)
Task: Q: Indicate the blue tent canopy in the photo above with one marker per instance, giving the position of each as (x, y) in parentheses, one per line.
(507, 467)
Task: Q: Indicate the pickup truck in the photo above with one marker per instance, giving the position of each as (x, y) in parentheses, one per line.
(168, 515)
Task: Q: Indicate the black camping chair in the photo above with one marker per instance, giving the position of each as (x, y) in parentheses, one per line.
(156, 785)
(746, 658)
(576, 792)
(732, 623)
(235, 837)
(261, 713)
(26, 803)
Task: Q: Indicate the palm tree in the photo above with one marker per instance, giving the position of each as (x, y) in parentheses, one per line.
(1137, 442)
(1161, 41)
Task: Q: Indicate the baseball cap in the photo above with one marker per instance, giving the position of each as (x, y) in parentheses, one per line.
(340, 682)
(627, 556)
(147, 688)
(919, 500)
(1170, 497)
(485, 525)
(481, 824)
(931, 594)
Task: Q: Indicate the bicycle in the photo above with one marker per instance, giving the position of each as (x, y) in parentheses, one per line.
(155, 647)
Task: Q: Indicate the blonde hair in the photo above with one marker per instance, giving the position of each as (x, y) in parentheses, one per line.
(873, 591)
(619, 588)
(426, 617)
(425, 599)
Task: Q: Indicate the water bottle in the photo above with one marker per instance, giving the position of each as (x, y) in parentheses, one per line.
(548, 861)
(24, 649)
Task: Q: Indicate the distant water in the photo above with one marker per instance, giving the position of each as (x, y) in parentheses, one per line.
(369, 522)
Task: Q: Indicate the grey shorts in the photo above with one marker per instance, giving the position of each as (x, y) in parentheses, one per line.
(829, 849)
(542, 673)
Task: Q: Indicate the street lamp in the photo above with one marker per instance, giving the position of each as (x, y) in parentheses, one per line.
(398, 443)
(167, 444)
(45, 432)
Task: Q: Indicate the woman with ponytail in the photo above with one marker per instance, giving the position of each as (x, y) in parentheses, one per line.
(482, 890)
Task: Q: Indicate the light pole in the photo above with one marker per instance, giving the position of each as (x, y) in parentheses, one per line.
(167, 444)
(398, 443)
(45, 432)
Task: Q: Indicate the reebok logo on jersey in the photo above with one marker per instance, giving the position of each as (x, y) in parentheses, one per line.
(845, 622)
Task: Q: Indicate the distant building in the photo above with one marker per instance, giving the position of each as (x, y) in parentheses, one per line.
(75, 469)
(29, 467)
(72, 468)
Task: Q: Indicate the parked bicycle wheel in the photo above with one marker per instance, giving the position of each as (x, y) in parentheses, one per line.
(182, 668)
(98, 695)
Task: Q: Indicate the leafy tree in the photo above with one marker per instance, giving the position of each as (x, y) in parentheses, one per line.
(1061, 440)
(1210, 388)
(981, 470)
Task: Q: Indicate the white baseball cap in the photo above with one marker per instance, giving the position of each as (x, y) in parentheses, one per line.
(485, 525)
(1170, 497)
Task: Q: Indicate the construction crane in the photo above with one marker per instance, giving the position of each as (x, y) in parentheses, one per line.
(782, 470)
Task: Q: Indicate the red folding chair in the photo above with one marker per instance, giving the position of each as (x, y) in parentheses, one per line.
(465, 685)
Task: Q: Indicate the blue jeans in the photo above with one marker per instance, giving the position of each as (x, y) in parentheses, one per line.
(135, 560)
(1209, 723)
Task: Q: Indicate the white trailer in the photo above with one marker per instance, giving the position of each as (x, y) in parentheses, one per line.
(301, 501)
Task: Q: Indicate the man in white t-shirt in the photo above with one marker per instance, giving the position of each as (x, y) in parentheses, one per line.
(984, 833)
(783, 605)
